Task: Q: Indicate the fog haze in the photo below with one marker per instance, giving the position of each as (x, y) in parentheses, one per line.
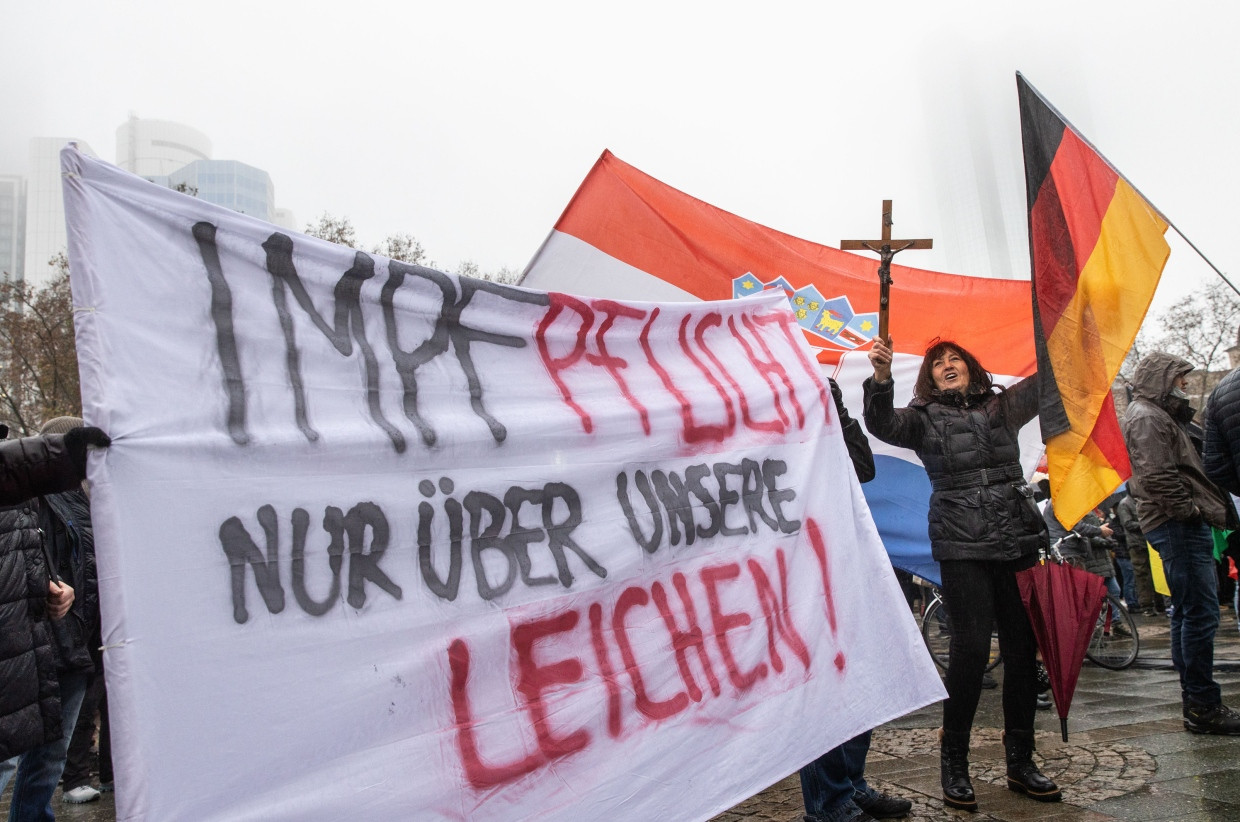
(470, 125)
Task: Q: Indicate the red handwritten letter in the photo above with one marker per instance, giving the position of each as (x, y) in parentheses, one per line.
(533, 679)
(479, 774)
(711, 577)
(682, 641)
(556, 365)
(633, 598)
(775, 609)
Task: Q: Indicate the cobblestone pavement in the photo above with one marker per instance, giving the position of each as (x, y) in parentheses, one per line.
(1127, 757)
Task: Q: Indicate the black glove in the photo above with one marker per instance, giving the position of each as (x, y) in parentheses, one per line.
(76, 441)
(838, 396)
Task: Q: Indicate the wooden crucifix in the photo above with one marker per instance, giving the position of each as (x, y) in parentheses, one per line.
(886, 248)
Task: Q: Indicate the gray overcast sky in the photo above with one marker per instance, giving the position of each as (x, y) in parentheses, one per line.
(470, 124)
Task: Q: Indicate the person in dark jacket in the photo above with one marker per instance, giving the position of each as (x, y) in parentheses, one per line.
(69, 533)
(1124, 572)
(1176, 506)
(1221, 450)
(1221, 453)
(1088, 544)
(68, 545)
(833, 785)
(983, 527)
(31, 597)
(1139, 553)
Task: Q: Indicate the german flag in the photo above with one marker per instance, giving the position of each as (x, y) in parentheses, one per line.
(1097, 250)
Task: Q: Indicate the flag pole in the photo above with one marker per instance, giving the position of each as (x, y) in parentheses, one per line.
(1194, 247)
(1104, 159)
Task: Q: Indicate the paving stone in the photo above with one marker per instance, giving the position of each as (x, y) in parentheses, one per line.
(1167, 742)
(1201, 758)
(1154, 804)
(1128, 756)
(1222, 786)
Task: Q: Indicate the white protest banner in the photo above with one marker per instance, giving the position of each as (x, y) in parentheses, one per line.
(381, 542)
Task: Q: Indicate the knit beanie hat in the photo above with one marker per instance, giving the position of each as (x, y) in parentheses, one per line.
(61, 425)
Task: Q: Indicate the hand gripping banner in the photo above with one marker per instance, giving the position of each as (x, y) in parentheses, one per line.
(381, 542)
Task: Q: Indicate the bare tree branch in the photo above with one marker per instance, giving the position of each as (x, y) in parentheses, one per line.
(39, 356)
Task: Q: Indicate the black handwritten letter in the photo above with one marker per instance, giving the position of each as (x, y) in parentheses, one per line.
(444, 589)
(347, 325)
(487, 537)
(225, 338)
(448, 328)
(673, 494)
(650, 544)
(364, 565)
(240, 550)
(521, 536)
(559, 534)
(408, 362)
(778, 496)
(335, 550)
(462, 336)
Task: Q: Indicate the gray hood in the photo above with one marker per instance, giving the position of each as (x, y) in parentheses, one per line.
(1156, 375)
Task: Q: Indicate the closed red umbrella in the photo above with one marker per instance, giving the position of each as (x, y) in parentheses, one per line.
(1063, 604)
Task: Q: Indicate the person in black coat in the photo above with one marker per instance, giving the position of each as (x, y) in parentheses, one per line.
(1124, 572)
(833, 786)
(31, 598)
(1221, 450)
(983, 528)
(1139, 554)
(67, 547)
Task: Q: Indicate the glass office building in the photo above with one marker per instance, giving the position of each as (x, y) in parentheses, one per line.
(229, 183)
(45, 207)
(12, 227)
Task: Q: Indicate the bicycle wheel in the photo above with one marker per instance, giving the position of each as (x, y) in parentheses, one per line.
(937, 632)
(1115, 643)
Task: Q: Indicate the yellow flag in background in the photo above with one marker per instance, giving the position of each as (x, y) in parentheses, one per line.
(1156, 571)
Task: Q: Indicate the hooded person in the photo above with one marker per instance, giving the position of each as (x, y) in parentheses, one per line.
(1176, 506)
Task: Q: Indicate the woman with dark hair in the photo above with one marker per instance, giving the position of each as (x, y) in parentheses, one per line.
(984, 527)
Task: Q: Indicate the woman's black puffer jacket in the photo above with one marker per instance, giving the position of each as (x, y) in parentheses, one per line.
(981, 508)
(29, 690)
(30, 696)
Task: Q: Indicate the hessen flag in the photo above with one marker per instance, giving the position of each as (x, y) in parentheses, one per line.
(626, 235)
(1097, 251)
(380, 542)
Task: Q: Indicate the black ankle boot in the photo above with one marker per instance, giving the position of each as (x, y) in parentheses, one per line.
(1022, 775)
(954, 771)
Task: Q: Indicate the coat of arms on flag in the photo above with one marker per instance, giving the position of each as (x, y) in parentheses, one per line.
(828, 322)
